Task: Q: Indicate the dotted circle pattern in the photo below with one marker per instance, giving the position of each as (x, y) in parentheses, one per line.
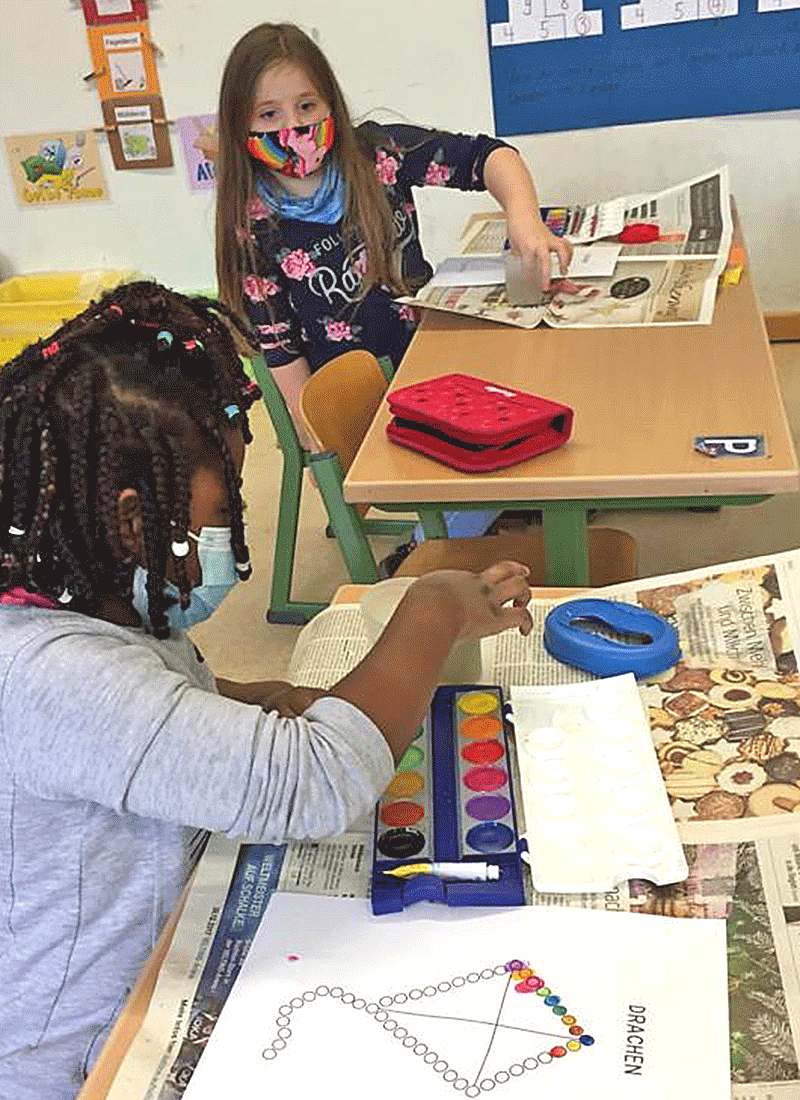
(524, 979)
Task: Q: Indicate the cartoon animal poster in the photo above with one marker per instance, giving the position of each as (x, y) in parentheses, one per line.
(56, 168)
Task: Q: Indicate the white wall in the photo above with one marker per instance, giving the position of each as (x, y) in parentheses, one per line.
(419, 60)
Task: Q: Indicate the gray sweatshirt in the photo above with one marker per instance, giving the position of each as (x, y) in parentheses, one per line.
(115, 751)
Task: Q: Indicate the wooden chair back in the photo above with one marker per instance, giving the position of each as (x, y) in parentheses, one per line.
(339, 402)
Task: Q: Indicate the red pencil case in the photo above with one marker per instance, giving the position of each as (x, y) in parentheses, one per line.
(474, 425)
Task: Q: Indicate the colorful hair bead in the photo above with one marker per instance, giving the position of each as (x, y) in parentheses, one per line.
(51, 349)
(114, 308)
(65, 597)
(232, 411)
(164, 339)
(180, 549)
(15, 530)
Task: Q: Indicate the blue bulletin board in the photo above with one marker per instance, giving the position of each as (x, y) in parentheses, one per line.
(577, 64)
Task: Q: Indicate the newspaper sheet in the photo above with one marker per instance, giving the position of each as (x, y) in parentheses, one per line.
(726, 723)
(671, 281)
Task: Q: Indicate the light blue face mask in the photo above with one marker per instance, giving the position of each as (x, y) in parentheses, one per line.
(218, 569)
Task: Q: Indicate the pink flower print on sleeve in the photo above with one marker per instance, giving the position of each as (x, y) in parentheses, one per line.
(257, 209)
(298, 264)
(359, 264)
(437, 174)
(408, 314)
(338, 331)
(274, 336)
(257, 288)
(385, 168)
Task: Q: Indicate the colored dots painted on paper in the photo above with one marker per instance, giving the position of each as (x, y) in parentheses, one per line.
(523, 987)
(543, 992)
(573, 1044)
(515, 964)
(526, 972)
(552, 999)
(587, 1040)
(558, 1052)
(568, 1020)
(534, 983)
(559, 1010)
(477, 702)
(576, 1029)
(412, 759)
(405, 785)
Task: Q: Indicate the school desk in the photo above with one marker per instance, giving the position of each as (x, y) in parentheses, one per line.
(130, 1020)
(640, 395)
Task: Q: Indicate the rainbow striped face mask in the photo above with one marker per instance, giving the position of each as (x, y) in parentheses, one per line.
(296, 150)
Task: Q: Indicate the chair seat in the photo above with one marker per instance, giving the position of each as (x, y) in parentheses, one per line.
(612, 555)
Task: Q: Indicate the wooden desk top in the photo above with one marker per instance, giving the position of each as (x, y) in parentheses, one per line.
(640, 397)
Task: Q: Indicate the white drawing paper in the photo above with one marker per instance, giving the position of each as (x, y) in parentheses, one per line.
(428, 1003)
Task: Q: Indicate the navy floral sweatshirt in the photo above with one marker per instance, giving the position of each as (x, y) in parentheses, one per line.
(303, 300)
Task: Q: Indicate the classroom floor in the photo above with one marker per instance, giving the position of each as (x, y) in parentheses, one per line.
(240, 644)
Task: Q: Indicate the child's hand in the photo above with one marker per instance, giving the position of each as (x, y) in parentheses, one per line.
(287, 700)
(530, 238)
(479, 599)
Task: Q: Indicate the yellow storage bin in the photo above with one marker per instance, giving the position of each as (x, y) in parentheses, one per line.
(34, 305)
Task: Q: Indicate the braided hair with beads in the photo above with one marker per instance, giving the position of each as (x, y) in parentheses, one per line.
(130, 393)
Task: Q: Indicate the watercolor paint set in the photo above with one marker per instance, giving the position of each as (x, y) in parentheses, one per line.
(446, 827)
(595, 806)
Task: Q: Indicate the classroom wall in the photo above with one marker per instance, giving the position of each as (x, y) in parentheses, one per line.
(417, 60)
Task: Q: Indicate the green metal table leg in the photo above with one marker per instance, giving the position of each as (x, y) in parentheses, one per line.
(433, 523)
(566, 543)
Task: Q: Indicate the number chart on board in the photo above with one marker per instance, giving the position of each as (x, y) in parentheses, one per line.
(578, 64)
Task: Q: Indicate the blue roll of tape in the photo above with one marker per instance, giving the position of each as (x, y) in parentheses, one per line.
(599, 636)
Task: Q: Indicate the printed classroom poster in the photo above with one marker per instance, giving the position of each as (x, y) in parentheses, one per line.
(113, 11)
(58, 167)
(123, 60)
(199, 138)
(137, 132)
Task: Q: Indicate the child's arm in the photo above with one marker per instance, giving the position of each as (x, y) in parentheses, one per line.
(509, 181)
(104, 719)
(278, 695)
(476, 163)
(394, 683)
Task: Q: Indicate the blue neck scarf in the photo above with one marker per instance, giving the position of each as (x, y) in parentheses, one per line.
(326, 205)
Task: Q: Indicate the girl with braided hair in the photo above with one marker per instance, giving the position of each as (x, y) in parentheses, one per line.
(122, 439)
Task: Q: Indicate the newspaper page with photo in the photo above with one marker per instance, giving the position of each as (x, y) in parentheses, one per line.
(669, 281)
(726, 725)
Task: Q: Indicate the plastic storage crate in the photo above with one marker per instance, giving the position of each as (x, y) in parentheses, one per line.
(34, 305)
